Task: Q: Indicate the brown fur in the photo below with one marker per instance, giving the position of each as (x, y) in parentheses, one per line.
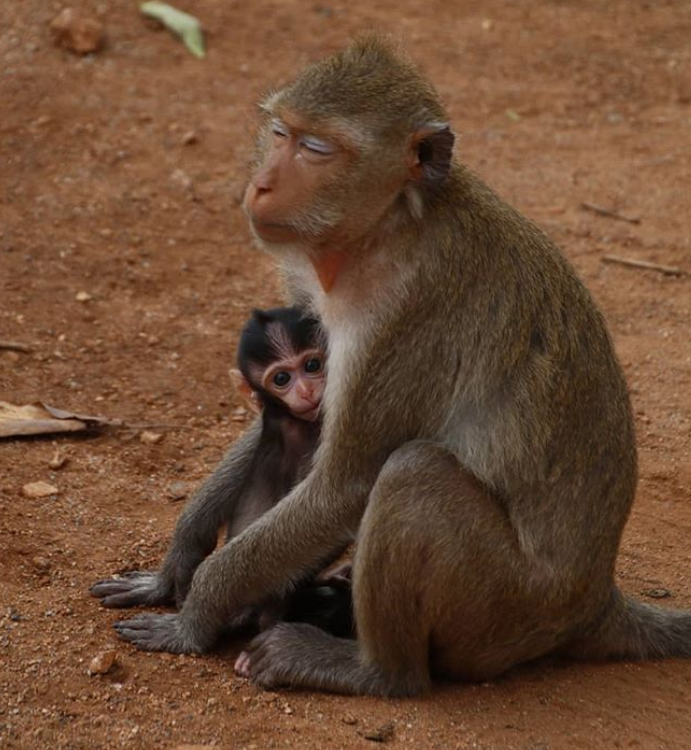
(478, 433)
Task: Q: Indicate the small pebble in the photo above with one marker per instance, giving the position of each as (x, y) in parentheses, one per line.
(78, 33)
(39, 489)
(41, 565)
(383, 734)
(58, 461)
(178, 490)
(150, 438)
(239, 415)
(102, 663)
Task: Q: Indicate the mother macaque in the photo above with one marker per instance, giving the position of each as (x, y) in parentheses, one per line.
(478, 435)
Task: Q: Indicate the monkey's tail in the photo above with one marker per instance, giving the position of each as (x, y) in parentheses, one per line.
(630, 629)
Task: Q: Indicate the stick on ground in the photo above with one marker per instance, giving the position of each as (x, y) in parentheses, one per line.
(14, 346)
(633, 263)
(609, 213)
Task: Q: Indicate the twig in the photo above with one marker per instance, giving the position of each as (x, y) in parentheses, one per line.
(14, 346)
(667, 270)
(609, 213)
(150, 426)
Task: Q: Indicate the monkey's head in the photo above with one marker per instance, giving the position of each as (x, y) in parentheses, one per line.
(355, 136)
(281, 362)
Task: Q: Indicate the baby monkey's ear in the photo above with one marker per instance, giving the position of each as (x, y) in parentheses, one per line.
(244, 389)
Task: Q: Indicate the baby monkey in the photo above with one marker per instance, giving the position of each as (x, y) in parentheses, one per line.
(281, 365)
(282, 370)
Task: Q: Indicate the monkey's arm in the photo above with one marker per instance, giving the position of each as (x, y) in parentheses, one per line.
(195, 534)
(280, 548)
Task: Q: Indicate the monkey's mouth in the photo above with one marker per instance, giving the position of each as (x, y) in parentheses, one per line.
(272, 231)
(309, 415)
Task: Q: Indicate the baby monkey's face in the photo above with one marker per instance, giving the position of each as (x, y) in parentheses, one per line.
(298, 381)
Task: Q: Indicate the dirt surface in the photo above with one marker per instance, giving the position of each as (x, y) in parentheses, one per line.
(121, 175)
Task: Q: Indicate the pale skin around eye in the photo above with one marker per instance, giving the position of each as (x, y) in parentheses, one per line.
(297, 381)
(308, 141)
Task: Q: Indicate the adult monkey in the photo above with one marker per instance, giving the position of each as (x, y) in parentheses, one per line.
(478, 434)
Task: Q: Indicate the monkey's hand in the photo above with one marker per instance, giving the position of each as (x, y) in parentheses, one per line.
(150, 632)
(340, 576)
(133, 589)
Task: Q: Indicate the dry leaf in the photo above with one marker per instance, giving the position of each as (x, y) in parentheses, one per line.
(187, 27)
(90, 419)
(43, 419)
(33, 419)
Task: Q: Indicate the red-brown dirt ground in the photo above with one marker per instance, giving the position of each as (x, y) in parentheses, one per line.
(121, 175)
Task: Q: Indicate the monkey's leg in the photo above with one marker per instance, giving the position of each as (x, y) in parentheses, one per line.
(439, 588)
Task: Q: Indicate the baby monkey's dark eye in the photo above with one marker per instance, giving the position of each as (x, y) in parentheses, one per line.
(281, 379)
(313, 365)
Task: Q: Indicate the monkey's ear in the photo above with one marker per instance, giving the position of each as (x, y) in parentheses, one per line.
(240, 382)
(245, 390)
(432, 150)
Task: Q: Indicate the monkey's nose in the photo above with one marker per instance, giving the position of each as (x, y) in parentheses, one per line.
(305, 390)
(260, 190)
(264, 180)
(257, 192)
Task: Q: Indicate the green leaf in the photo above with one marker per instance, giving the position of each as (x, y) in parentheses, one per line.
(187, 27)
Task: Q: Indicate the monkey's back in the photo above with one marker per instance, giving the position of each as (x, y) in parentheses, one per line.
(540, 410)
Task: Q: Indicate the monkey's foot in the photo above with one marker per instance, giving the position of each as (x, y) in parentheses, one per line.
(300, 655)
(158, 633)
(132, 589)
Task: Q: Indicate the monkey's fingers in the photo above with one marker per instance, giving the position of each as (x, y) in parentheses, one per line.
(137, 587)
(340, 574)
(335, 581)
(155, 633)
(125, 582)
(124, 600)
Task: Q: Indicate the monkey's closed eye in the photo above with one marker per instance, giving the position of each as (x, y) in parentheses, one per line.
(316, 145)
(279, 128)
(313, 365)
(281, 379)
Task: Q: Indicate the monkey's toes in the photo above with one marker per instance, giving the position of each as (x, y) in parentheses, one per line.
(242, 665)
(277, 656)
